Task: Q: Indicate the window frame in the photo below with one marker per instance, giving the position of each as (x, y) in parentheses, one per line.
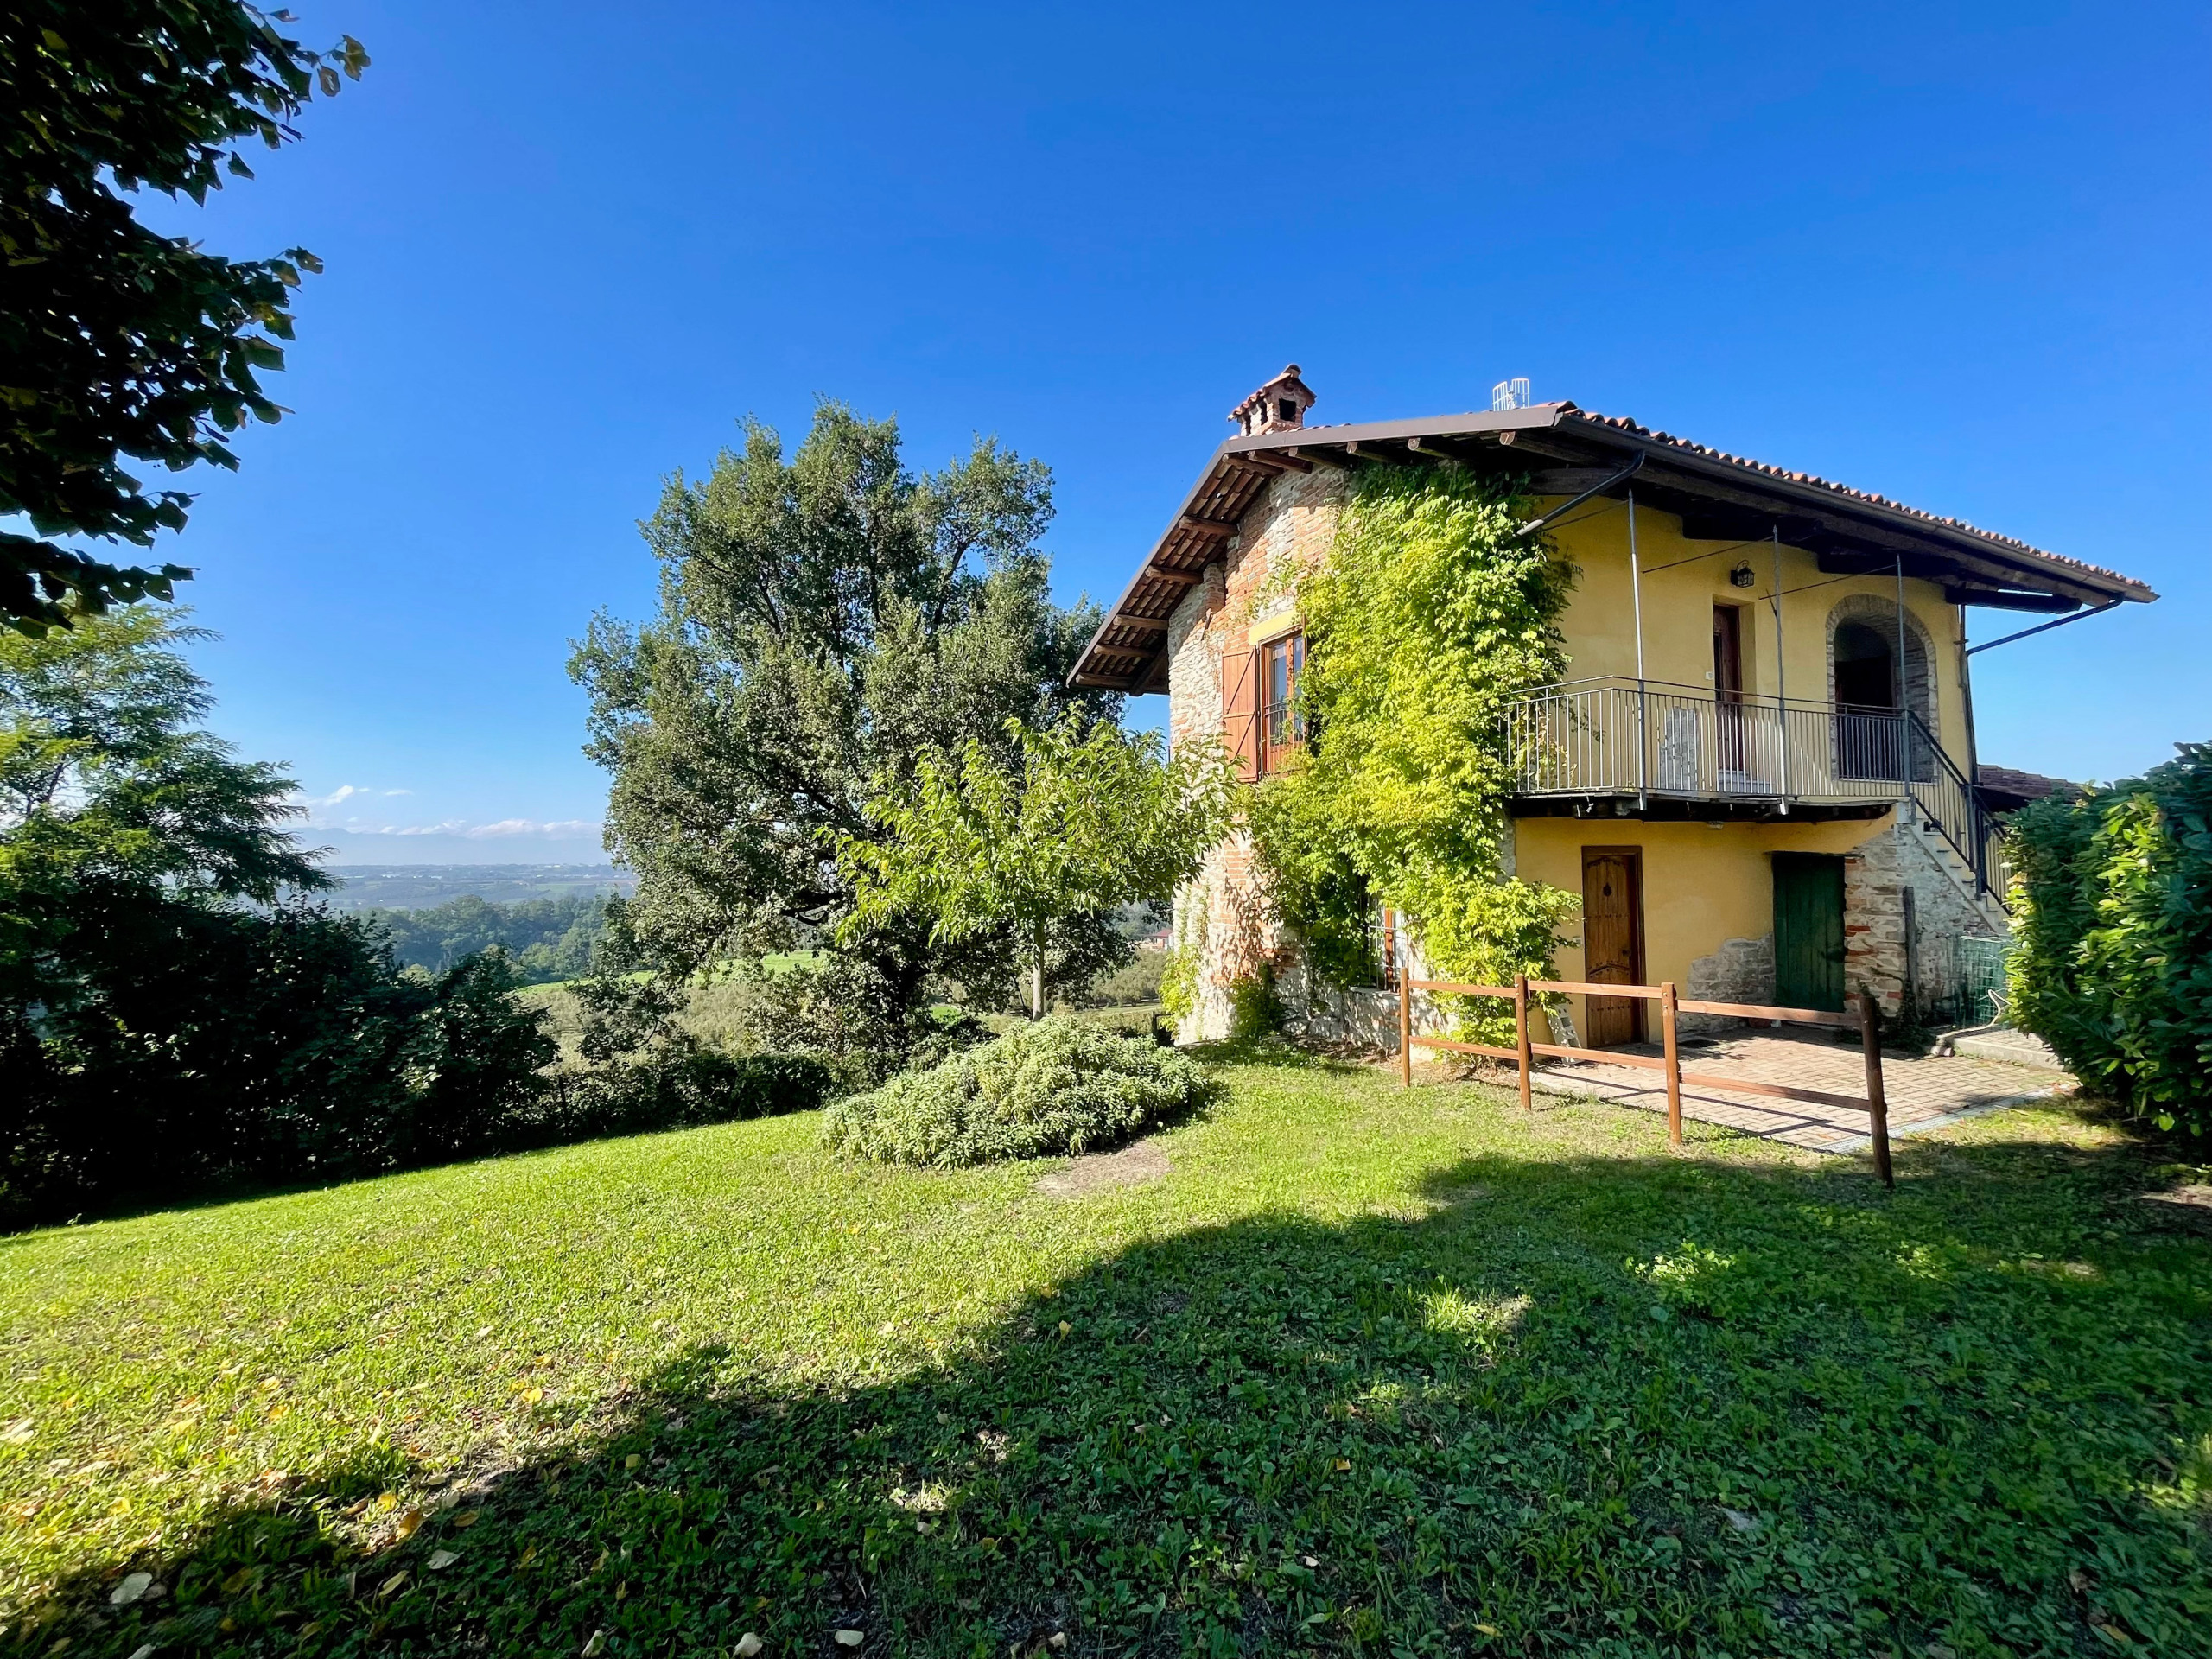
(1281, 728)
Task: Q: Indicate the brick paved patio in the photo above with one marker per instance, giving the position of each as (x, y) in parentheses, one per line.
(1924, 1094)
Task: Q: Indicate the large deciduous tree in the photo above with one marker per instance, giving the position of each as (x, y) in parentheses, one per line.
(118, 344)
(827, 618)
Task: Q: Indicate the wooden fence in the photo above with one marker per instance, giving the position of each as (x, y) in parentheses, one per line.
(1867, 1022)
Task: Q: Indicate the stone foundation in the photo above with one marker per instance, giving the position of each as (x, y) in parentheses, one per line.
(1741, 970)
(1876, 874)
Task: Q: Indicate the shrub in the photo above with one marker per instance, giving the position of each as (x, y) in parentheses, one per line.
(1254, 1010)
(2115, 968)
(835, 1006)
(1055, 1086)
(676, 1084)
(1132, 985)
(1179, 983)
(187, 1048)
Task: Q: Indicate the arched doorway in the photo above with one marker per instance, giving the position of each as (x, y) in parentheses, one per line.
(1865, 669)
(1877, 698)
(1869, 725)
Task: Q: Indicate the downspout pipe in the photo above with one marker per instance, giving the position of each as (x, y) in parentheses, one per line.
(1622, 476)
(1781, 668)
(2045, 627)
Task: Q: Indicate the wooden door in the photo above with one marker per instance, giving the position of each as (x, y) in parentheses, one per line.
(1612, 940)
(1728, 651)
(1808, 930)
(1728, 695)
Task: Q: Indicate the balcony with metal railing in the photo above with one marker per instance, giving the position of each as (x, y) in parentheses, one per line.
(1618, 745)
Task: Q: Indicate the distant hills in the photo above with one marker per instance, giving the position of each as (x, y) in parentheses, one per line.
(419, 886)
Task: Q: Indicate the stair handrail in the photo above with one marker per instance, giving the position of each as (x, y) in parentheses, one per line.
(1969, 839)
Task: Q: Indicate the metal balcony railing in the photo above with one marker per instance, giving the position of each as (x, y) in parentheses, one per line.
(1644, 738)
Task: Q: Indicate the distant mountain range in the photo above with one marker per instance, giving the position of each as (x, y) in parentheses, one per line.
(418, 887)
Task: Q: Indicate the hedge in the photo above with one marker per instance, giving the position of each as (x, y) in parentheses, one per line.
(2114, 901)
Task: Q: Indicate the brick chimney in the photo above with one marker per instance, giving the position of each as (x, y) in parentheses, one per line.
(1278, 406)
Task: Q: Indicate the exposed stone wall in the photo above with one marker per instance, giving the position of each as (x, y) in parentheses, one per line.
(1741, 970)
(1875, 874)
(1221, 914)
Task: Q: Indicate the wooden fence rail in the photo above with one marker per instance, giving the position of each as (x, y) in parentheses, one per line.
(1523, 991)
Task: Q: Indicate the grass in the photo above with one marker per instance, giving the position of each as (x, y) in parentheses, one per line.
(1369, 1371)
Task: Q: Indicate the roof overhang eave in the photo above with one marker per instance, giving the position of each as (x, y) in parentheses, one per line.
(1561, 434)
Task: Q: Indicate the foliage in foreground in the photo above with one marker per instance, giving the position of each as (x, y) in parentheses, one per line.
(1370, 1371)
(1057, 1085)
(2114, 968)
(121, 342)
(177, 1019)
(1431, 613)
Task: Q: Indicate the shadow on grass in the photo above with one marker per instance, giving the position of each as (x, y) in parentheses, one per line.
(1587, 1405)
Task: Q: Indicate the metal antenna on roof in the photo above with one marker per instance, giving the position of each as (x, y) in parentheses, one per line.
(1510, 394)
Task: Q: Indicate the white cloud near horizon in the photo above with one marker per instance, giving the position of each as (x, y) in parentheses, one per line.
(322, 814)
(345, 792)
(506, 829)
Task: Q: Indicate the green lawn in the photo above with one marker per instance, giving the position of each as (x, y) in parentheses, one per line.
(1371, 1371)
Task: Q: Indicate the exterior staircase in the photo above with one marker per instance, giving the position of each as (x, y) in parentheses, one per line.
(1961, 874)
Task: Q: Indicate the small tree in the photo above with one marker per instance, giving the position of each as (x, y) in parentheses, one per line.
(1088, 822)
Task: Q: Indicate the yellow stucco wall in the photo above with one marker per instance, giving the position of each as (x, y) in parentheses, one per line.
(1683, 579)
(1702, 885)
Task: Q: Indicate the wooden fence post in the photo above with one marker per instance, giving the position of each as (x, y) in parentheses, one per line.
(1666, 1016)
(1405, 1027)
(1878, 1105)
(1527, 1058)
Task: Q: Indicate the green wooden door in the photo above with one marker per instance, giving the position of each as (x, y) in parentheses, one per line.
(1808, 930)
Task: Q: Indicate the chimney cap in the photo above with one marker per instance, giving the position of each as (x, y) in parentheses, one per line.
(1278, 404)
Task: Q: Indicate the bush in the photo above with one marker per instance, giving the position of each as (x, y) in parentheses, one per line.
(1054, 1086)
(2114, 964)
(1132, 985)
(208, 1050)
(677, 1084)
(187, 1048)
(837, 1007)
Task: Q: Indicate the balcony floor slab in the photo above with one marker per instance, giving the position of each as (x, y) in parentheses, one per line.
(1677, 809)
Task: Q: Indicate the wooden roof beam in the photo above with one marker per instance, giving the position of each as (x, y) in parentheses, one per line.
(1180, 578)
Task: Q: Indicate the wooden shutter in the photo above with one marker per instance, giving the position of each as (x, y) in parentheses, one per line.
(1240, 710)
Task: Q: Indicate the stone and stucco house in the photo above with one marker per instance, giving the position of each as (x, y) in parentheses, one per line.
(1760, 773)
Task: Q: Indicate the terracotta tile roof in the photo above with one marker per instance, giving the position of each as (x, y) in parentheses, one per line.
(1128, 649)
(2020, 786)
(1621, 423)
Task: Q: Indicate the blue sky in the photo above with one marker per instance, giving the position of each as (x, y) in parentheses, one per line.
(1957, 255)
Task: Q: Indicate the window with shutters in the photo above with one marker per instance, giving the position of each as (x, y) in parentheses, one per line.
(1281, 729)
(1240, 710)
(1259, 691)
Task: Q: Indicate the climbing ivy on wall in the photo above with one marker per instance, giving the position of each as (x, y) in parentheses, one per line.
(1429, 616)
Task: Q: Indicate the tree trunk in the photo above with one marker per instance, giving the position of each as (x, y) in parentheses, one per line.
(1037, 979)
